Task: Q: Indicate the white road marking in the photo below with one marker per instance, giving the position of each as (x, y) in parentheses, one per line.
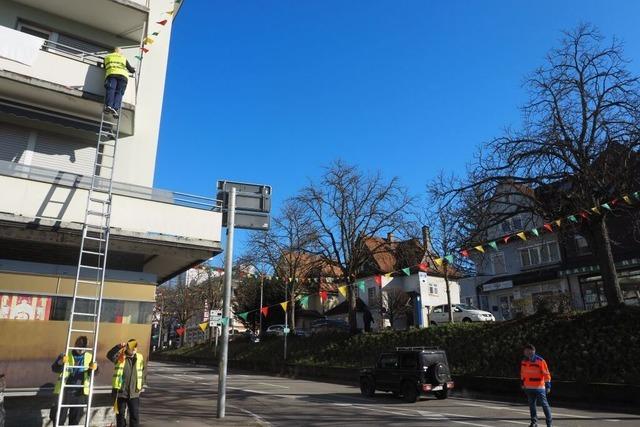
(190, 376)
(174, 378)
(470, 416)
(273, 385)
(248, 391)
(404, 414)
(256, 416)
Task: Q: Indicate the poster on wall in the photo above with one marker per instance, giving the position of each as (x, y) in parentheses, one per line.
(24, 307)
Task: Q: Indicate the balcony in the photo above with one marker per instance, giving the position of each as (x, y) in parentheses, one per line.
(124, 18)
(63, 87)
(153, 231)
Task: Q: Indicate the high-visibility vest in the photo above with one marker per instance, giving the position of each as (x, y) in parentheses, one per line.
(118, 373)
(88, 357)
(534, 373)
(115, 64)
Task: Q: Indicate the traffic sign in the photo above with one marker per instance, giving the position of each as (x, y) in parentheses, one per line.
(215, 317)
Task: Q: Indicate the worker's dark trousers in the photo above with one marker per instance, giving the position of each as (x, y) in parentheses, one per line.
(134, 408)
(115, 86)
(71, 397)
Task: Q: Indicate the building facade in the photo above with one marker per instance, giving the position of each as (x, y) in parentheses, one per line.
(51, 96)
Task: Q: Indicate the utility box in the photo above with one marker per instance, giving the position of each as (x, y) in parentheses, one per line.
(253, 204)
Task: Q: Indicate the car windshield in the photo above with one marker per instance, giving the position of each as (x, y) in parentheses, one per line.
(431, 358)
(466, 307)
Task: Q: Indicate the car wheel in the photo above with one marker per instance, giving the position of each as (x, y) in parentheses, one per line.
(442, 394)
(367, 387)
(466, 320)
(409, 392)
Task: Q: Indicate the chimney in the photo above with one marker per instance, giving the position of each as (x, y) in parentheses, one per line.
(426, 237)
(389, 237)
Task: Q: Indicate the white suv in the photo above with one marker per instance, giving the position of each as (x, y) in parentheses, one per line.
(461, 313)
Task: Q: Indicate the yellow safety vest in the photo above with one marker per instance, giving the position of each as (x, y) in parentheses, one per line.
(118, 373)
(115, 64)
(88, 357)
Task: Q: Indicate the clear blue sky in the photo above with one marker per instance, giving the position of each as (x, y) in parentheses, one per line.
(270, 91)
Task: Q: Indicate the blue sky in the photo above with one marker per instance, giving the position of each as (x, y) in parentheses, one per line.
(270, 91)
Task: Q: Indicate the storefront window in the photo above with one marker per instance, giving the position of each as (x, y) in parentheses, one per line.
(24, 307)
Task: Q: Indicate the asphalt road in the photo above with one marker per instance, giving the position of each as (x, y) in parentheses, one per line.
(185, 395)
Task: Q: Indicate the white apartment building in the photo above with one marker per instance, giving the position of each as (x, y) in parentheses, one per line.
(51, 96)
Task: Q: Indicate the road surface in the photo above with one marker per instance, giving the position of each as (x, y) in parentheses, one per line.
(185, 395)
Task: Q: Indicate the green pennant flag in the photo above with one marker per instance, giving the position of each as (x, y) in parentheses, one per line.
(494, 245)
(224, 321)
(362, 285)
(244, 316)
(449, 258)
(407, 271)
(139, 57)
(304, 301)
(155, 33)
(606, 206)
(636, 195)
(535, 232)
(572, 218)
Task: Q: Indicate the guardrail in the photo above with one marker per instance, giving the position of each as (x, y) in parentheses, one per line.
(73, 180)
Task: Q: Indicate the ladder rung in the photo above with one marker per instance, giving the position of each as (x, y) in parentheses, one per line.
(77, 313)
(71, 405)
(104, 166)
(80, 348)
(75, 367)
(86, 298)
(86, 331)
(92, 252)
(90, 267)
(100, 200)
(73, 385)
(97, 239)
(98, 214)
(91, 282)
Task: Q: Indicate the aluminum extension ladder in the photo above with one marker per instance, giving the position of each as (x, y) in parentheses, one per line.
(92, 263)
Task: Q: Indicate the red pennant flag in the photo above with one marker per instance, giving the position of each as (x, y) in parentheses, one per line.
(378, 280)
(506, 239)
(144, 49)
(584, 215)
(548, 227)
(614, 202)
(323, 296)
(163, 22)
(464, 253)
(264, 311)
(423, 267)
(180, 331)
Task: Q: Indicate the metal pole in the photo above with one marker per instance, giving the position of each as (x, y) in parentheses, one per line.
(260, 313)
(222, 366)
(286, 321)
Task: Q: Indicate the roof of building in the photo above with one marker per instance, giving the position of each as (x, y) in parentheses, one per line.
(343, 308)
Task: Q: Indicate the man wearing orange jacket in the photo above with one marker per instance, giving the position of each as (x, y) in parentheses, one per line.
(535, 379)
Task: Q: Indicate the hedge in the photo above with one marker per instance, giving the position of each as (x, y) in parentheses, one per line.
(591, 347)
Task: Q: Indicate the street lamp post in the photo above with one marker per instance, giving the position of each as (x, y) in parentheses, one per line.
(261, 292)
(286, 321)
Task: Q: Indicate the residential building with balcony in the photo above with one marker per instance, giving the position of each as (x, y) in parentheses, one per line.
(51, 97)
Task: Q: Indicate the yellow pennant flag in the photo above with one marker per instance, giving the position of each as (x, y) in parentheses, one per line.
(438, 261)
(479, 248)
(558, 222)
(627, 199)
(284, 305)
(343, 291)
(203, 325)
(595, 209)
(148, 40)
(522, 235)
(388, 274)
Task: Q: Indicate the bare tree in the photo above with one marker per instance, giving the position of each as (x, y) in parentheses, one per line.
(346, 205)
(577, 147)
(393, 304)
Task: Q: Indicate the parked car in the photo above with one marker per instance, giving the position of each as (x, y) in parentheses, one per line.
(329, 325)
(461, 313)
(409, 372)
(275, 330)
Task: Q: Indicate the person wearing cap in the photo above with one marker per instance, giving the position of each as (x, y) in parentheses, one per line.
(535, 380)
(76, 377)
(116, 76)
(127, 381)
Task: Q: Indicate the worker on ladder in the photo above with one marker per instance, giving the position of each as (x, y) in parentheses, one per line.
(128, 379)
(117, 70)
(74, 377)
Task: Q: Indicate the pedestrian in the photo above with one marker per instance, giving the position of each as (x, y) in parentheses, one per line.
(79, 376)
(367, 318)
(536, 383)
(127, 382)
(117, 70)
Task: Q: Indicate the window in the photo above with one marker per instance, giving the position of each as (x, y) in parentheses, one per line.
(438, 309)
(24, 307)
(409, 361)
(63, 42)
(582, 245)
(468, 300)
(388, 361)
(433, 289)
(512, 224)
(484, 302)
(498, 263)
(539, 254)
(371, 294)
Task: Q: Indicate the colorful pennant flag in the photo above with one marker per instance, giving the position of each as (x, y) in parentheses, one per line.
(407, 271)
(155, 33)
(506, 239)
(144, 49)
(163, 22)
(606, 206)
(139, 57)
(479, 248)
(534, 231)
(323, 296)
(423, 267)
(343, 290)
(627, 199)
(558, 222)
(637, 195)
(572, 218)
(522, 236)
(494, 245)
(304, 302)
(170, 12)
(584, 215)
(224, 321)
(464, 253)
(548, 227)
(244, 316)
(449, 259)
(595, 210)
(264, 311)
(148, 40)
(284, 305)
(388, 274)
(203, 325)
(438, 261)
(378, 280)
(180, 331)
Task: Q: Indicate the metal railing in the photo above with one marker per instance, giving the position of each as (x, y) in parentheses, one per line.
(74, 180)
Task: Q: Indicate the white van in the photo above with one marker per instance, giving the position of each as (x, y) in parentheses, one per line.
(461, 313)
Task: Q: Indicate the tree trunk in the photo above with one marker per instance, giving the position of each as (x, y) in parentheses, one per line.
(602, 247)
(353, 320)
(446, 282)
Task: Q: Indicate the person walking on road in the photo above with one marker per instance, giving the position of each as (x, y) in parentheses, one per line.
(535, 380)
(127, 381)
(117, 70)
(79, 376)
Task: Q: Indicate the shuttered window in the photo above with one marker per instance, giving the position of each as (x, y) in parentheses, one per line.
(63, 153)
(13, 143)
